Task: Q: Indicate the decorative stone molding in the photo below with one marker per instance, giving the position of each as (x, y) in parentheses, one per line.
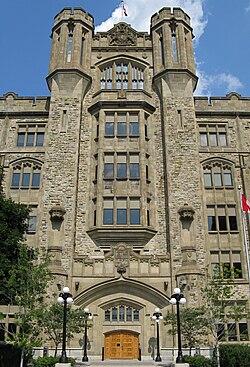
(186, 212)
(122, 35)
(57, 213)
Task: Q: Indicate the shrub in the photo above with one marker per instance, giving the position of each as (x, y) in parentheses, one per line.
(234, 355)
(198, 361)
(49, 361)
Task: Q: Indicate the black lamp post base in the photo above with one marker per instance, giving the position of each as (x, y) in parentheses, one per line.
(158, 359)
(180, 359)
(63, 358)
(85, 359)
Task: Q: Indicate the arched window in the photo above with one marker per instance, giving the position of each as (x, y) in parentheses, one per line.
(122, 75)
(217, 175)
(122, 313)
(26, 175)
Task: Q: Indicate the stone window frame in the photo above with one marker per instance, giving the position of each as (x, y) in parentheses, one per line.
(27, 172)
(122, 74)
(121, 313)
(26, 131)
(213, 135)
(218, 174)
(121, 166)
(112, 206)
(230, 258)
(220, 218)
(122, 124)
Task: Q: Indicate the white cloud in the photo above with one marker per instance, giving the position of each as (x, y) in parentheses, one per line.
(140, 12)
(248, 8)
(207, 83)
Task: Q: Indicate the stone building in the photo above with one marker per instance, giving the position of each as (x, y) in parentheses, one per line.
(131, 180)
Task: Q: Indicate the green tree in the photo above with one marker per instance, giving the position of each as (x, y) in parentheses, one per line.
(219, 297)
(193, 325)
(51, 322)
(13, 224)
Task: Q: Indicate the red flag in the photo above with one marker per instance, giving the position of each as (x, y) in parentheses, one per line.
(124, 9)
(245, 204)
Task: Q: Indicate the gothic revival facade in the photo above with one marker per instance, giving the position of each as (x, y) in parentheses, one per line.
(131, 180)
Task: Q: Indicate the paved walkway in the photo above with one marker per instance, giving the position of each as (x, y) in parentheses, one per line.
(119, 363)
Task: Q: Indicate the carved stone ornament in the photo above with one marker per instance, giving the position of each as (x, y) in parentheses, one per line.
(57, 213)
(186, 212)
(122, 35)
(121, 257)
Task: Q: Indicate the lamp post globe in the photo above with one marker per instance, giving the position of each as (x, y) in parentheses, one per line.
(65, 298)
(178, 298)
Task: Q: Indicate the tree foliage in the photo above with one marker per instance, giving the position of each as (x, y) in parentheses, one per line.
(193, 325)
(51, 322)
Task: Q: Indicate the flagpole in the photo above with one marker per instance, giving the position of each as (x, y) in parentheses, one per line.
(245, 236)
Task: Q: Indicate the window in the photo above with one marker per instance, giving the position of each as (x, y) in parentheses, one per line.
(232, 331)
(230, 262)
(31, 224)
(126, 210)
(69, 49)
(122, 125)
(217, 175)
(109, 166)
(122, 75)
(121, 166)
(221, 218)
(122, 313)
(26, 176)
(30, 135)
(213, 135)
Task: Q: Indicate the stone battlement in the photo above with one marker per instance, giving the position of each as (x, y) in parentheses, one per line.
(75, 14)
(168, 13)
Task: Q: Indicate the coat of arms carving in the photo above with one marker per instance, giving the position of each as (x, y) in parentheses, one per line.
(122, 35)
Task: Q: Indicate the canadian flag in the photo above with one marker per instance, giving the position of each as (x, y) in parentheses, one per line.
(245, 204)
(124, 9)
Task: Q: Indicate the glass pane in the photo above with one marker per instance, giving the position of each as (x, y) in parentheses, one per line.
(211, 223)
(107, 315)
(108, 170)
(134, 216)
(108, 216)
(121, 170)
(109, 128)
(32, 223)
(20, 139)
(217, 179)
(39, 139)
(213, 140)
(114, 314)
(2, 332)
(134, 170)
(26, 179)
(228, 179)
(134, 128)
(221, 332)
(237, 270)
(121, 128)
(223, 139)
(129, 314)
(233, 223)
(231, 329)
(136, 315)
(203, 139)
(121, 216)
(207, 179)
(30, 139)
(36, 179)
(121, 313)
(222, 223)
(243, 331)
(15, 179)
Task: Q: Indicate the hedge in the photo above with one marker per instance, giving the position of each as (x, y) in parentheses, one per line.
(234, 355)
(198, 361)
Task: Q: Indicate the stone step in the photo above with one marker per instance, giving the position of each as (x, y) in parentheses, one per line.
(122, 363)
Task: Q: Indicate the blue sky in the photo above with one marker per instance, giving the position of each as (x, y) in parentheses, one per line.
(221, 27)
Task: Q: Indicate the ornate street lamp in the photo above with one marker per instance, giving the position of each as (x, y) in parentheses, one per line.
(87, 317)
(157, 316)
(177, 299)
(64, 298)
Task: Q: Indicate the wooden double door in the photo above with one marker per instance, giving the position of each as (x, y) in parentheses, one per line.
(121, 345)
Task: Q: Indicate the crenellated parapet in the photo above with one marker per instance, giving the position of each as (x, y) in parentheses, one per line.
(166, 13)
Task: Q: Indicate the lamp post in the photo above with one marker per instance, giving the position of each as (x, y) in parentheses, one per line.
(177, 299)
(64, 298)
(157, 316)
(87, 316)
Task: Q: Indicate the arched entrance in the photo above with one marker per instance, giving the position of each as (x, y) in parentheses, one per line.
(121, 344)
